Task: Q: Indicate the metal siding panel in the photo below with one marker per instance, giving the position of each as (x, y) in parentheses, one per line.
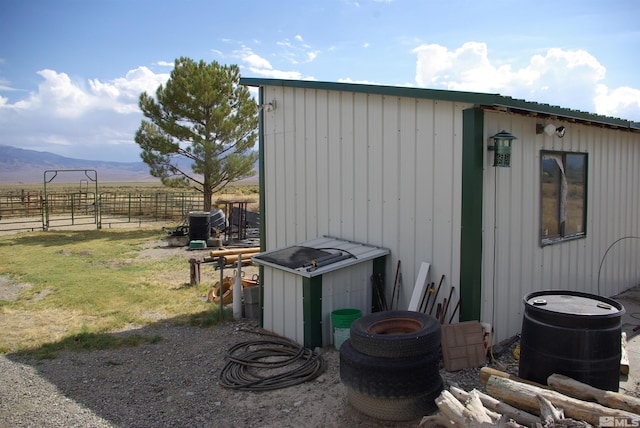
(444, 191)
(425, 184)
(289, 177)
(521, 265)
(322, 162)
(333, 180)
(310, 214)
(361, 168)
(389, 172)
(345, 289)
(347, 217)
(407, 198)
(375, 164)
(301, 178)
(385, 168)
(283, 312)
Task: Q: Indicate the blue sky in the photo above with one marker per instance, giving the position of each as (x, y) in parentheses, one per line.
(71, 71)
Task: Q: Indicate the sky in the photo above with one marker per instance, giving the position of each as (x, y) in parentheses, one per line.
(72, 71)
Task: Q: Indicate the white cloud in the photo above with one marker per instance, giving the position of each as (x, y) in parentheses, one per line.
(623, 102)
(260, 66)
(59, 96)
(89, 120)
(568, 78)
(276, 74)
(253, 60)
(297, 52)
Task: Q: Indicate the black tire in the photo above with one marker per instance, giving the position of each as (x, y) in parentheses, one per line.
(396, 334)
(388, 377)
(395, 409)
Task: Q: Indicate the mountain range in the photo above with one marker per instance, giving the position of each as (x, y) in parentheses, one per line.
(28, 166)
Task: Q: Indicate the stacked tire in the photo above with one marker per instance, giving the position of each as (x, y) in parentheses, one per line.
(391, 365)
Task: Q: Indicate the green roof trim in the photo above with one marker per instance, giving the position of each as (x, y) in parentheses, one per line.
(477, 98)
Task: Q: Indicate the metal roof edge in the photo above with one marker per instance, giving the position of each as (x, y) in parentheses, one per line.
(402, 91)
(476, 98)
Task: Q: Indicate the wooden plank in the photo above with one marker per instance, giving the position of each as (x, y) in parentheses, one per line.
(624, 356)
(420, 287)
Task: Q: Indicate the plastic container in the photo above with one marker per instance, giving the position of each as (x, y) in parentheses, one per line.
(341, 320)
(574, 334)
(199, 226)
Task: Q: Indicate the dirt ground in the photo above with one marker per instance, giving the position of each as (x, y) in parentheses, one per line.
(170, 383)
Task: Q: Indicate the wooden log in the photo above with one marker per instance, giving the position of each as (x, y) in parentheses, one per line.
(520, 416)
(582, 391)
(486, 372)
(473, 414)
(234, 251)
(194, 271)
(624, 356)
(451, 408)
(524, 396)
(548, 412)
(438, 420)
(554, 417)
(233, 259)
(464, 397)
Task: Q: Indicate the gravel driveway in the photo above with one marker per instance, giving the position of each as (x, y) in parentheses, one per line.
(170, 383)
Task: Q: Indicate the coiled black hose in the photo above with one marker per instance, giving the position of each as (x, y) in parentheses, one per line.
(266, 365)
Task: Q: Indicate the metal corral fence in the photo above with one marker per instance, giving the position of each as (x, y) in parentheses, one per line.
(25, 210)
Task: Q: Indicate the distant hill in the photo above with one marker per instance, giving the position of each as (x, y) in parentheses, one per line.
(28, 166)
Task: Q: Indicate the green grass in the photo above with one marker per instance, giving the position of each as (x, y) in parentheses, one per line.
(83, 342)
(86, 285)
(236, 189)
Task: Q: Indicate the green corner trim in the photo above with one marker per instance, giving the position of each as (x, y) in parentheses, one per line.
(262, 198)
(471, 233)
(312, 311)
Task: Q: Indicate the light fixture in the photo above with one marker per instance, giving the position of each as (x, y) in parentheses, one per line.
(268, 107)
(550, 130)
(502, 149)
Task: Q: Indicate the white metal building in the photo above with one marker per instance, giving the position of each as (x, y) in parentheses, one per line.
(410, 170)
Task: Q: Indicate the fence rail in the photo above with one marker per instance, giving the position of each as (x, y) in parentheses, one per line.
(32, 211)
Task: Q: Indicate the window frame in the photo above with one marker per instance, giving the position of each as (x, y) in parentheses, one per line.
(562, 235)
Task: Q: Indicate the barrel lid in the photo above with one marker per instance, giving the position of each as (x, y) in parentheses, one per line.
(574, 303)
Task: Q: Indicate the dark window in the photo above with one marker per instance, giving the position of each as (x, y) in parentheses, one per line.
(563, 196)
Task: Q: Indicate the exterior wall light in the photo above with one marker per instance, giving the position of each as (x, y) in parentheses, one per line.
(268, 106)
(502, 149)
(551, 130)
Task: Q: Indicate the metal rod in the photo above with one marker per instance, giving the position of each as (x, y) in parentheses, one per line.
(447, 302)
(221, 262)
(382, 293)
(376, 292)
(454, 311)
(436, 296)
(428, 295)
(395, 284)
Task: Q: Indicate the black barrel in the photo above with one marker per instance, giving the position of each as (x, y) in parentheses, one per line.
(574, 334)
(218, 220)
(199, 226)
